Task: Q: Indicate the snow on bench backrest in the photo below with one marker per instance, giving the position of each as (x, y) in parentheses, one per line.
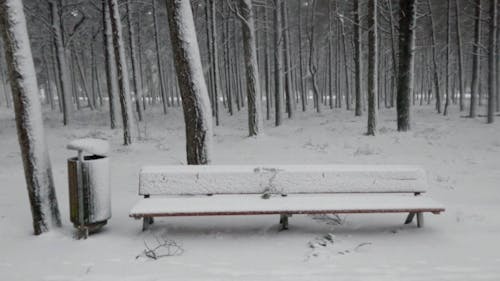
(280, 179)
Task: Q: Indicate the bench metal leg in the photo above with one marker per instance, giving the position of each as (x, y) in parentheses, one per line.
(284, 221)
(420, 219)
(146, 223)
(409, 218)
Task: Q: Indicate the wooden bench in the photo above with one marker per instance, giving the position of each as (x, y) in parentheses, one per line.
(289, 189)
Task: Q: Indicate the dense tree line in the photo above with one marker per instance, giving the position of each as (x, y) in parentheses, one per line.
(297, 55)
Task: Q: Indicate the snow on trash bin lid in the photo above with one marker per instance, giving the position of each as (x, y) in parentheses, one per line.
(92, 146)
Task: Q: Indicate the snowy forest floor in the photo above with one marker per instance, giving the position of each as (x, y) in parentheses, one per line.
(460, 155)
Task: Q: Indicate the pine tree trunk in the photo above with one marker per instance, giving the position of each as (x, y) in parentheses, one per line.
(121, 67)
(303, 93)
(28, 113)
(434, 58)
(394, 55)
(62, 65)
(476, 60)
(372, 68)
(313, 68)
(461, 80)
(492, 62)
(252, 68)
(215, 60)
(448, 54)
(159, 65)
(407, 26)
(357, 56)
(195, 100)
(109, 56)
(278, 61)
(135, 65)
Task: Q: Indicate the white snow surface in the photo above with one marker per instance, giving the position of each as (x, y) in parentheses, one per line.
(459, 155)
(90, 145)
(283, 179)
(296, 203)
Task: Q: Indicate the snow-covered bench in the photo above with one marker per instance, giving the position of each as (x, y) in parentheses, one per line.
(282, 189)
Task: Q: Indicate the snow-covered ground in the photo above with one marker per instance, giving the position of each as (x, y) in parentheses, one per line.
(460, 155)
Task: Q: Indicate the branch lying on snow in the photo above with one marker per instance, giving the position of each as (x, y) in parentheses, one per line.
(163, 248)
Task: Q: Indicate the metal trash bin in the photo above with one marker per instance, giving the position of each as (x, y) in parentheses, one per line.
(89, 186)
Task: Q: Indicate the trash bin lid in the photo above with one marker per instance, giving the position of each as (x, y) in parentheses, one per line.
(89, 145)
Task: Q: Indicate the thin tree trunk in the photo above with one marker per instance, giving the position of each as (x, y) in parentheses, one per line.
(476, 60)
(461, 80)
(407, 26)
(159, 65)
(135, 65)
(290, 98)
(492, 63)
(63, 69)
(357, 56)
(109, 56)
(278, 61)
(434, 58)
(372, 68)
(303, 93)
(215, 60)
(448, 54)
(121, 67)
(252, 68)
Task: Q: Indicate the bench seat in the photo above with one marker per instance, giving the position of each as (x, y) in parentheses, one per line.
(293, 189)
(292, 204)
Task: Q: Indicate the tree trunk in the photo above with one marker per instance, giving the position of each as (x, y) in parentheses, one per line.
(28, 113)
(62, 65)
(215, 60)
(159, 65)
(290, 98)
(357, 56)
(434, 58)
(448, 54)
(476, 60)
(313, 68)
(278, 61)
(121, 67)
(407, 26)
(461, 80)
(195, 100)
(135, 65)
(109, 56)
(303, 93)
(252, 68)
(492, 57)
(372, 68)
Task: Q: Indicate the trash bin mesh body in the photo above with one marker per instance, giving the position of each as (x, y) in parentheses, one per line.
(90, 181)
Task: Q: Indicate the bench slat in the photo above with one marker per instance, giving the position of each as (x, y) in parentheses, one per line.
(292, 204)
(286, 179)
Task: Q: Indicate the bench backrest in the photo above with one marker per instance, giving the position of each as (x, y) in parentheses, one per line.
(280, 179)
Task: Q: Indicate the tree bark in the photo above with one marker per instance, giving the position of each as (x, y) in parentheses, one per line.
(159, 65)
(62, 65)
(278, 61)
(461, 80)
(357, 56)
(193, 90)
(252, 68)
(121, 67)
(28, 115)
(109, 57)
(372, 68)
(407, 26)
(476, 60)
(492, 62)
(135, 65)
(434, 59)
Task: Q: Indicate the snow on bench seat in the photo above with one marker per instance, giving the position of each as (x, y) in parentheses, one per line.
(284, 179)
(291, 204)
